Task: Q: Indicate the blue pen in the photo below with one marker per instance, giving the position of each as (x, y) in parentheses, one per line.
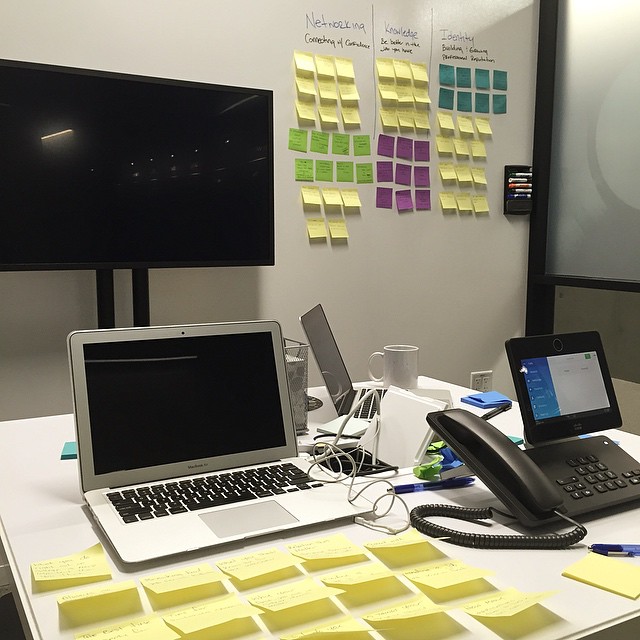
(436, 484)
(616, 549)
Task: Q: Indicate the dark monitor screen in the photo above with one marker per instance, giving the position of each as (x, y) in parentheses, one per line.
(104, 170)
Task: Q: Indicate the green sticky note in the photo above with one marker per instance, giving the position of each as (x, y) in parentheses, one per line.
(482, 103)
(69, 451)
(464, 101)
(500, 80)
(499, 103)
(445, 98)
(319, 142)
(304, 170)
(344, 171)
(447, 74)
(364, 173)
(298, 140)
(482, 79)
(340, 144)
(463, 77)
(362, 145)
(324, 170)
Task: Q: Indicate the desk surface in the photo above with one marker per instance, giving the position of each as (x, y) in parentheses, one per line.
(42, 517)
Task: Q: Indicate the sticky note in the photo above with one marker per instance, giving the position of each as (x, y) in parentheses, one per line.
(306, 111)
(415, 608)
(69, 451)
(351, 198)
(311, 196)
(403, 173)
(499, 104)
(344, 67)
(316, 228)
(461, 147)
(405, 94)
(464, 101)
(325, 66)
(319, 142)
(421, 120)
(444, 145)
(406, 548)
(183, 585)
(338, 228)
(445, 574)
(344, 171)
(445, 120)
(480, 204)
(402, 70)
(196, 621)
(328, 114)
(465, 125)
(340, 143)
(447, 171)
(423, 199)
(332, 197)
(610, 574)
(384, 171)
(385, 69)
(404, 148)
(421, 95)
(421, 150)
(304, 62)
(504, 603)
(303, 170)
(481, 102)
(350, 115)
(463, 173)
(384, 198)
(87, 606)
(146, 628)
(404, 201)
(446, 98)
(324, 171)
(260, 563)
(364, 172)
(478, 174)
(500, 80)
(347, 629)
(387, 90)
(463, 77)
(421, 177)
(298, 140)
(362, 145)
(464, 202)
(291, 595)
(336, 547)
(306, 87)
(389, 118)
(448, 201)
(406, 117)
(73, 570)
(482, 79)
(327, 89)
(484, 126)
(478, 149)
(386, 145)
(447, 74)
(419, 72)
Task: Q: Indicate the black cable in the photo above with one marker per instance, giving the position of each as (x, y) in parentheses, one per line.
(484, 541)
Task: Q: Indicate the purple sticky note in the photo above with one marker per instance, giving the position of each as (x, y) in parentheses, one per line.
(423, 199)
(384, 171)
(421, 150)
(384, 198)
(404, 200)
(421, 177)
(386, 145)
(403, 173)
(404, 148)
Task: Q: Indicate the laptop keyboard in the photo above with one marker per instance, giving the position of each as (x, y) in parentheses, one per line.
(169, 498)
(368, 408)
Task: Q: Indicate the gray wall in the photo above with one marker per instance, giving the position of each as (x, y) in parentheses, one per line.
(452, 284)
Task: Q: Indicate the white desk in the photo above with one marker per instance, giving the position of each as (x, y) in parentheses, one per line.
(42, 517)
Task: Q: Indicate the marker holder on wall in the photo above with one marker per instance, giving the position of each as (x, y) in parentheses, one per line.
(518, 189)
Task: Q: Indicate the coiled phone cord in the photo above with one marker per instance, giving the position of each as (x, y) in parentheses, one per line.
(484, 541)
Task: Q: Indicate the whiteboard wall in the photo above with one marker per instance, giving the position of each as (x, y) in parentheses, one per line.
(451, 282)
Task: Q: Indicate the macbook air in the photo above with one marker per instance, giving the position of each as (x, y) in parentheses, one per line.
(186, 438)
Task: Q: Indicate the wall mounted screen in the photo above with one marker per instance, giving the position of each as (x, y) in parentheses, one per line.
(103, 170)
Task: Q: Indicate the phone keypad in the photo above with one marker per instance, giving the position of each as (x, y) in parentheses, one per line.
(591, 476)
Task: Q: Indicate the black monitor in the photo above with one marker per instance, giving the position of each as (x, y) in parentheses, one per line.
(107, 171)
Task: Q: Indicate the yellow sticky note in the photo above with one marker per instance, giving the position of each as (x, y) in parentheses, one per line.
(344, 68)
(504, 603)
(445, 120)
(407, 548)
(306, 111)
(316, 228)
(304, 62)
(445, 574)
(311, 195)
(479, 175)
(183, 585)
(387, 89)
(85, 607)
(405, 94)
(291, 595)
(325, 66)
(328, 113)
(480, 204)
(357, 575)
(347, 629)
(463, 173)
(260, 563)
(464, 202)
(465, 125)
(448, 201)
(385, 68)
(419, 72)
(402, 70)
(334, 546)
(421, 95)
(406, 117)
(147, 628)
(331, 196)
(306, 87)
(416, 608)
(444, 145)
(389, 118)
(327, 89)
(338, 228)
(484, 126)
(447, 171)
(348, 90)
(421, 119)
(461, 147)
(205, 617)
(611, 574)
(478, 149)
(350, 115)
(84, 567)
(351, 198)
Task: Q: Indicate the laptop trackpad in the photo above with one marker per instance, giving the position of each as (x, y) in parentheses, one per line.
(247, 518)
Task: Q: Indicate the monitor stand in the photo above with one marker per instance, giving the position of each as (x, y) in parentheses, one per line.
(105, 298)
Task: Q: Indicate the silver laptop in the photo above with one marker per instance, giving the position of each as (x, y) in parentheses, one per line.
(166, 416)
(344, 394)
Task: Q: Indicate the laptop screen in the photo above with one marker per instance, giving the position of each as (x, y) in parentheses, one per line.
(563, 385)
(179, 401)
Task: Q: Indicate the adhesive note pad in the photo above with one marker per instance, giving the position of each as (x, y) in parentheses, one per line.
(260, 563)
(351, 198)
(611, 574)
(415, 608)
(445, 574)
(347, 629)
(147, 628)
(316, 228)
(406, 549)
(291, 595)
(74, 570)
(311, 195)
(504, 603)
(329, 550)
(85, 607)
(487, 400)
(338, 229)
(201, 620)
(184, 585)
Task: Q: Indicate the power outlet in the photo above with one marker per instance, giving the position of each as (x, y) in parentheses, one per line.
(481, 381)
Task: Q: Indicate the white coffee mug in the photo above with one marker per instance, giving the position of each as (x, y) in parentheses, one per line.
(400, 367)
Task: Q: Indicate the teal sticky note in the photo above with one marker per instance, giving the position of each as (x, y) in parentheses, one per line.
(499, 103)
(482, 102)
(463, 77)
(69, 451)
(500, 80)
(482, 79)
(464, 101)
(447, 74)
(445, 98)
